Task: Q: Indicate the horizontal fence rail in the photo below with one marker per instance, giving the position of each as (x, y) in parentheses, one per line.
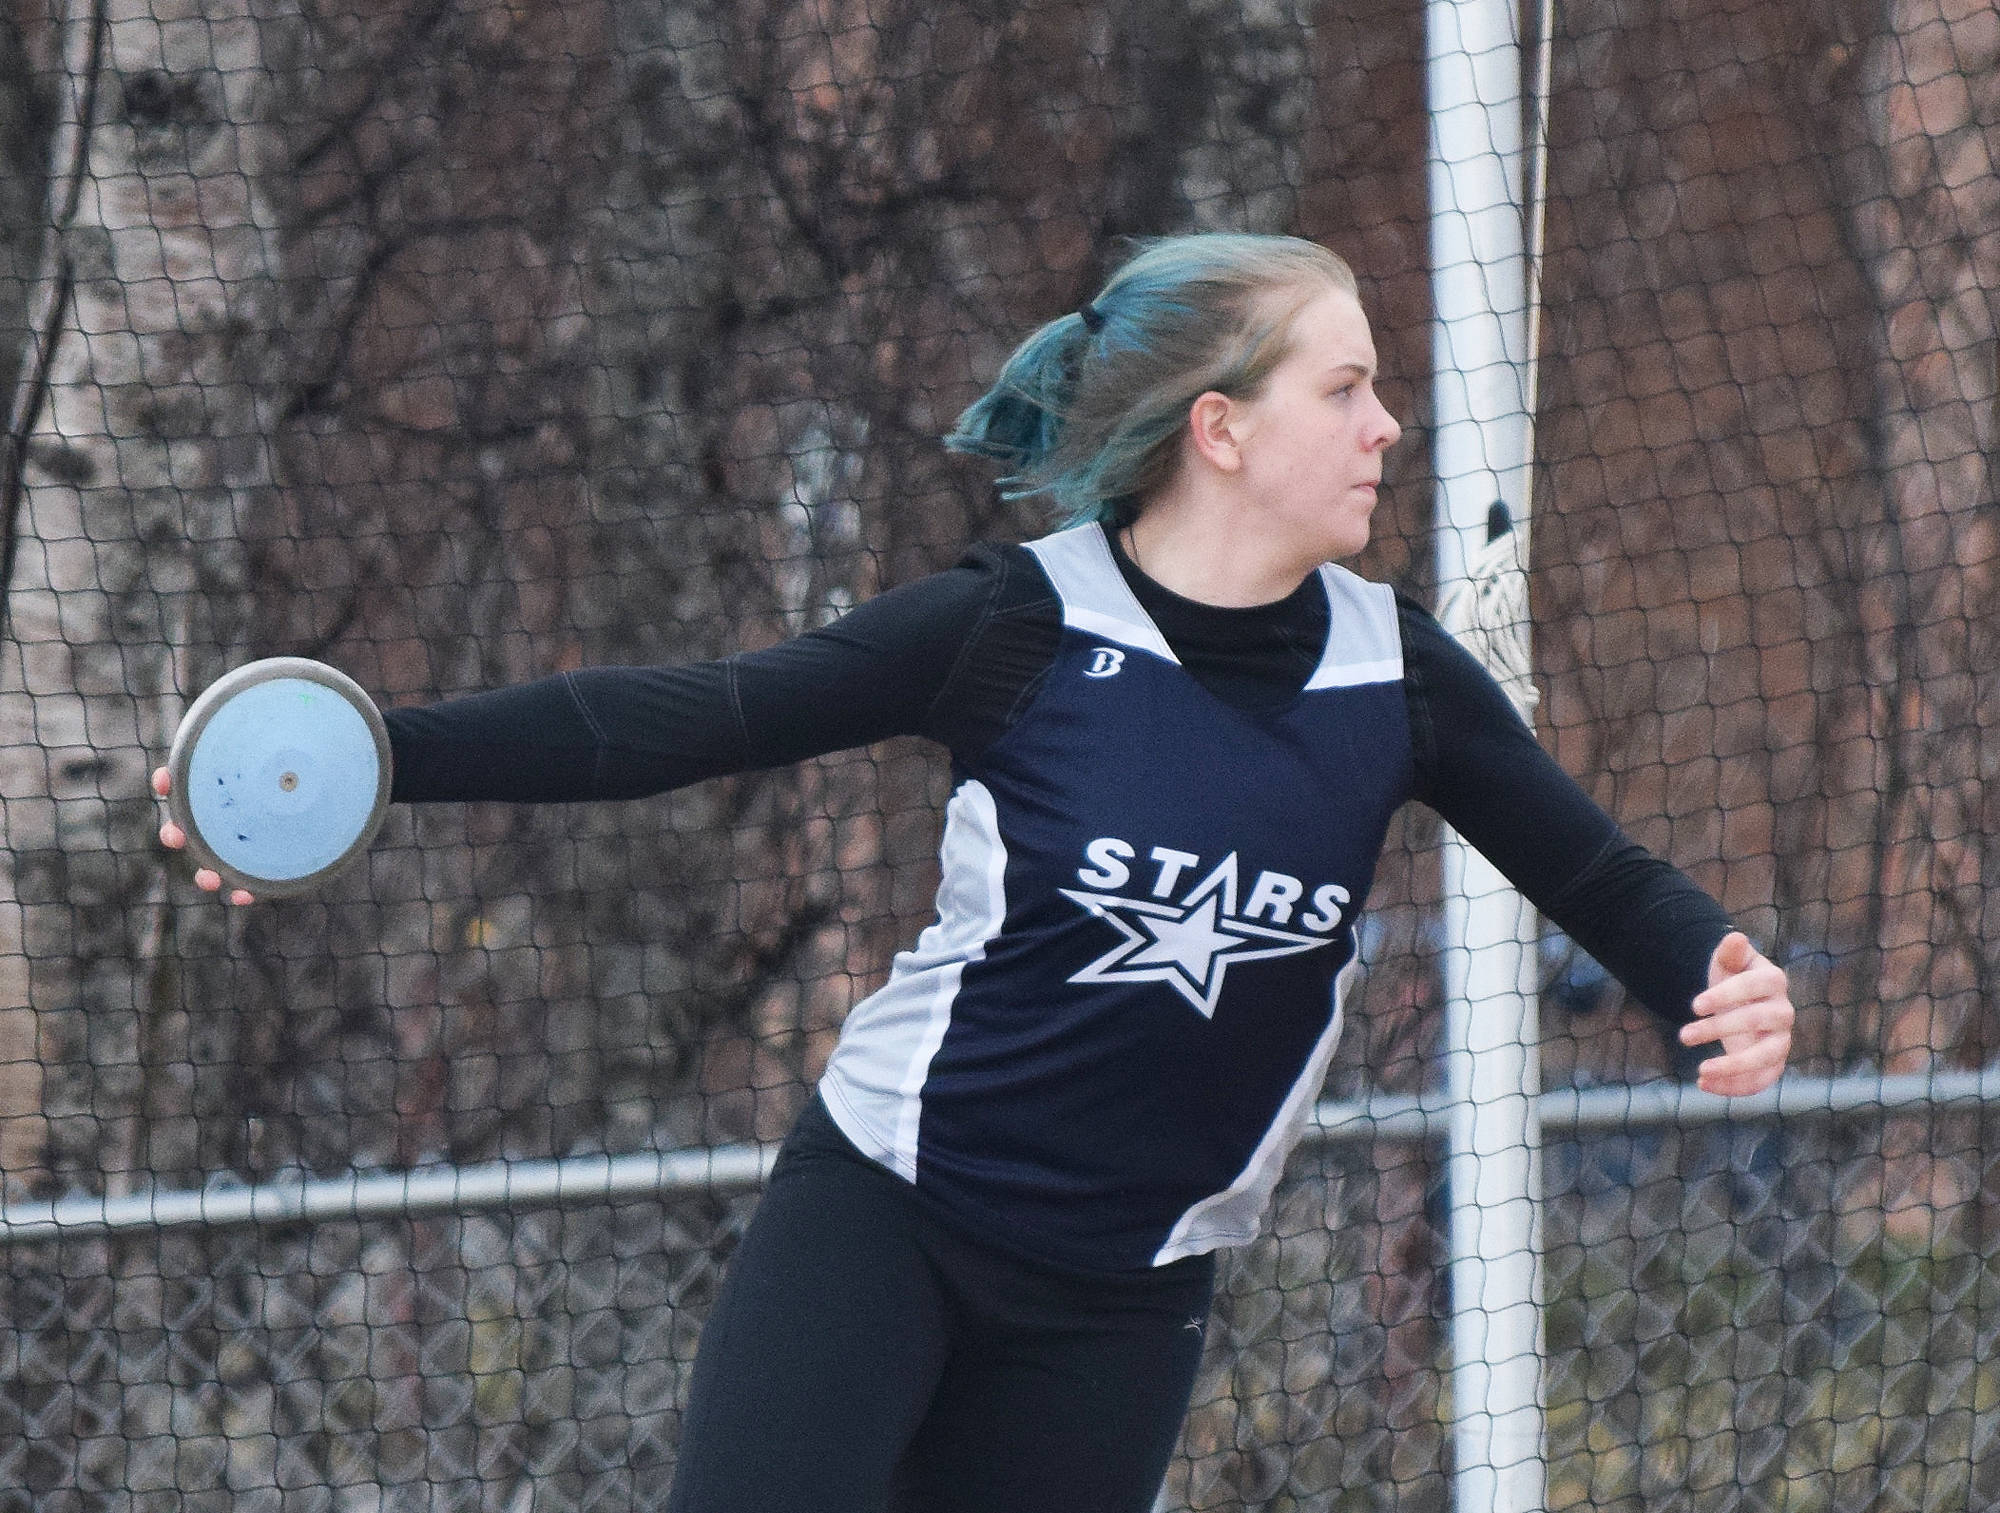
(1648, 1104)
(738, 1168)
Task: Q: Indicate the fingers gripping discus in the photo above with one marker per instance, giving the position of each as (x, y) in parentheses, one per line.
(280, 774)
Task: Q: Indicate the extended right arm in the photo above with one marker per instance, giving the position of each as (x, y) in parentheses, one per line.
(626, 732)
(949, 657)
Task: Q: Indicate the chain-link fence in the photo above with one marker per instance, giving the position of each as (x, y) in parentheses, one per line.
(456, 342)
(1729, 1322)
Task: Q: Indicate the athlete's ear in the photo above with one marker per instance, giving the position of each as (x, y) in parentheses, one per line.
(1212, 431)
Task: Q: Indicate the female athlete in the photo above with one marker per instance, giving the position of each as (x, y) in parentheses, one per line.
(978, 1280)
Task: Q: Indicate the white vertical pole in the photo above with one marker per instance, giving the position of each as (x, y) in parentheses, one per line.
(1480, 364)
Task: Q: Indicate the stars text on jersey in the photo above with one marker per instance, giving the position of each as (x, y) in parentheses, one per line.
(1191, 940)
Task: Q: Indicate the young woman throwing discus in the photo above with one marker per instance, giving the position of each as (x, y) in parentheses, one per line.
(978, 1280)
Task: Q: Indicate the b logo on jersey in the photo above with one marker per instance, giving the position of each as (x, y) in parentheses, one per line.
(1190, 942)
(1105, 662)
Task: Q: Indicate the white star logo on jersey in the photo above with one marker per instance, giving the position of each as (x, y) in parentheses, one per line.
(1189, 945)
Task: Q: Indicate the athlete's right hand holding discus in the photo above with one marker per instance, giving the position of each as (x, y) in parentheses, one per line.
(279, 776)
(175, 839)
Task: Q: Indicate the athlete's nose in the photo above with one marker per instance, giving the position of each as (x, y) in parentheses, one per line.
(1387, 432)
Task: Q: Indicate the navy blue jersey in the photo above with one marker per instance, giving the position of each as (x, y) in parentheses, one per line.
(1108, 1042)
(1104, 1045)
(957, 657)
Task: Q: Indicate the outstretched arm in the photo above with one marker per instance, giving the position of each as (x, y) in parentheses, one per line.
(607, 733)
(630, 732)
(1673, 947)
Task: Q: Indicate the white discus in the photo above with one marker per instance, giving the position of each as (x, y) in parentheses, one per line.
(280, 774)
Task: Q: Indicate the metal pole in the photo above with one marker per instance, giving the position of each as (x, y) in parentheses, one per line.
(1480, 358)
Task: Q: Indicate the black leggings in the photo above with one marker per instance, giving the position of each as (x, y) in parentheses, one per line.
(865, 1357)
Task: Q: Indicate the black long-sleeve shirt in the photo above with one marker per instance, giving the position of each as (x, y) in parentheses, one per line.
(957, 656)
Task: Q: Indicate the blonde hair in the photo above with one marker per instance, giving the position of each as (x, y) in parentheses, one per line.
(1091, 408)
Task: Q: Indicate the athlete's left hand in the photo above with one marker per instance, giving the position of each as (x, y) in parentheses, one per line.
(1748, 1009)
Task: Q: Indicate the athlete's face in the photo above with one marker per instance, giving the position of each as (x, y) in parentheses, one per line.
(1312, 438)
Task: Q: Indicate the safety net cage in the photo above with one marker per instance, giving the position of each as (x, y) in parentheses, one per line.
(458, 342)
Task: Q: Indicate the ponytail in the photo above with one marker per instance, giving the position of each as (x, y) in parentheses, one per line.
(1090, 409)
(1018, 422)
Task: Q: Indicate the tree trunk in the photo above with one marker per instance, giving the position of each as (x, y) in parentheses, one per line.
(136, 453)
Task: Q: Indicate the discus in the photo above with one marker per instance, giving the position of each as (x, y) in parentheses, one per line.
(280, 774)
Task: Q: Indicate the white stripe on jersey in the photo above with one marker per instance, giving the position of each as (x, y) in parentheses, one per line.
(1234, 1215)
(1095, 596)
(1364, 643)
(874, 1084)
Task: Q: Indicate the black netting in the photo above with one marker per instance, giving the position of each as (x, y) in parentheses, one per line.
(457, 342)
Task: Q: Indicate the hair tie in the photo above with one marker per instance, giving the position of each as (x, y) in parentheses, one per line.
(1092, 318)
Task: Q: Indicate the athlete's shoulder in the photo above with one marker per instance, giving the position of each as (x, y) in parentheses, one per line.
(950, 607)
(1011, 619)
(1010, 576)
(1429, 646)
(1425, 641)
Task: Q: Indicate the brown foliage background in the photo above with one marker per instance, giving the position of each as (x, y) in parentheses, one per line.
(593, 330)
(605, 333)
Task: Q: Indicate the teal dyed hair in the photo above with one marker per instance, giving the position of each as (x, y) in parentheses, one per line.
(1091, 413)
